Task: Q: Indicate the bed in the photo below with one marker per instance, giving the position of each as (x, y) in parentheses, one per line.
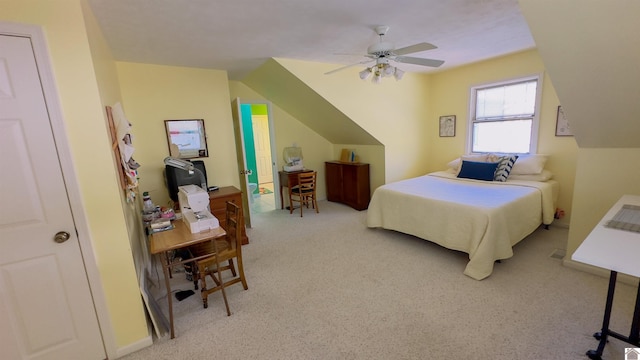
(481, 218)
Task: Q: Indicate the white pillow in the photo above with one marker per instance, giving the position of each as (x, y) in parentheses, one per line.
(456, 163)
(543, 176)
(529, 164)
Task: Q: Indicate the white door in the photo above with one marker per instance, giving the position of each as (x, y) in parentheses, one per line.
(46, 308)
(236, 110)
(263, 149)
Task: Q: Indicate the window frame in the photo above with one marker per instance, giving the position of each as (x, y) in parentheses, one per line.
(535, 120)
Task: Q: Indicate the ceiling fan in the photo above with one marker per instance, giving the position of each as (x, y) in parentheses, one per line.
(383, 52)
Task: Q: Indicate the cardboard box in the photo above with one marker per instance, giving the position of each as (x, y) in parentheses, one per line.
(348, 155)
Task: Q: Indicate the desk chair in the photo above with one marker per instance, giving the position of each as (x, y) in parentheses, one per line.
(227, 249)
(304, 192)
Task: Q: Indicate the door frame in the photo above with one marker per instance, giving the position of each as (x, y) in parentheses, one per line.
(237, 102)
(56, 119)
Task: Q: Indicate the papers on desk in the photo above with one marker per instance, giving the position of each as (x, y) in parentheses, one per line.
(159, 225)
(627, 218)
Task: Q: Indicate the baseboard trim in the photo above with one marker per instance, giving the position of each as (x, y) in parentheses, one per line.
(560, 224)
(131, 348)
(623, 278)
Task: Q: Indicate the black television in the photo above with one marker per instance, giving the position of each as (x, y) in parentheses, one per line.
(178, 177)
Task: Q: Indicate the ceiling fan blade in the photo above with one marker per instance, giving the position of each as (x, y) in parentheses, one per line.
(347, 66)
(418, 61)
(414, 48)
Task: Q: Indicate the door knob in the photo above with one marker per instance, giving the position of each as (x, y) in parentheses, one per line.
(61, 237)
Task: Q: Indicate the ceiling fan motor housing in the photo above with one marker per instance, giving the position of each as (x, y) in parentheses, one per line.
(381, 49)
(382, 30)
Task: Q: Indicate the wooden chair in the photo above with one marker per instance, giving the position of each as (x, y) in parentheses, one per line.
(226, 249)
(304, 192)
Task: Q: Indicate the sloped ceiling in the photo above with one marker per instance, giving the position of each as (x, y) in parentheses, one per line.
(277, 84)
(591, 50)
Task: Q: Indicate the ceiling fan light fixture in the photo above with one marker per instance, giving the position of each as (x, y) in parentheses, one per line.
(398, 74)
(388, 70)
(376, 78)
(364, 74)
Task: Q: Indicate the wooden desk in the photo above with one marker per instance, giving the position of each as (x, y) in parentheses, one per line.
(617, 251)
(178, 238)
(289, 179)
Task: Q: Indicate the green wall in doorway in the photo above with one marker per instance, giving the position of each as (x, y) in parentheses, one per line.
(249, 146)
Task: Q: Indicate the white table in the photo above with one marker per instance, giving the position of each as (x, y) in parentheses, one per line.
(617, 251)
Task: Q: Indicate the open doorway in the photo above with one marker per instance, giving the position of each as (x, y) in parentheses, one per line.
(258, 156)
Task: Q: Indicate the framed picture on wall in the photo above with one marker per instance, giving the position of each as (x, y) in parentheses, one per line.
(186, 138)
(448, 126)
(562, 125)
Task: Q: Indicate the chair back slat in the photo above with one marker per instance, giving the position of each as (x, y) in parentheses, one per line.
(304, 192)
(233, 217)
(306, 182)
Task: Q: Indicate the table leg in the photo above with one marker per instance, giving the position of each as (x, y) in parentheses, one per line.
(165, 269)
(597, 354)
(634, 335)
(281, 199)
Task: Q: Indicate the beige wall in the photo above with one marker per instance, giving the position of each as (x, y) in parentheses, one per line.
(449, 95)
(110, 95)
(370, 154)
(603, 176)
(601, 102)
(154, 93)
(125, 293)
(83, 114)
(393, 112)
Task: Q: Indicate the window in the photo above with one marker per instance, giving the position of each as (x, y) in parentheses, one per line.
(504, 117)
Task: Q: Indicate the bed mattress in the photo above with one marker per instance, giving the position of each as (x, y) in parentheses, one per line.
(481, 218)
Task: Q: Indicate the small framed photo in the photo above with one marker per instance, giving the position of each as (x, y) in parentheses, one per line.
(562, 125)
(448, 126)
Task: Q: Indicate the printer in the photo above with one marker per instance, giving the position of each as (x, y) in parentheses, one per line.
(194, 206)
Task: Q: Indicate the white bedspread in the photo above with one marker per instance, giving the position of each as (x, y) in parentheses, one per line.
(484, 219)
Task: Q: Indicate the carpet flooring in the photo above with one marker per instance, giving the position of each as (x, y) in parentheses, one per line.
(325, 286)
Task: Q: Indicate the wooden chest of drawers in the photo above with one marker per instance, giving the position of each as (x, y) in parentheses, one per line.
(348, 183)
(217, 204)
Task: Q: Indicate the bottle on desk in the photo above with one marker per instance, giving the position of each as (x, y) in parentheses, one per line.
(150, 211)
(147, 204)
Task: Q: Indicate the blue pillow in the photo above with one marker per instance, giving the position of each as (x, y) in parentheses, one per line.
(478, 170)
